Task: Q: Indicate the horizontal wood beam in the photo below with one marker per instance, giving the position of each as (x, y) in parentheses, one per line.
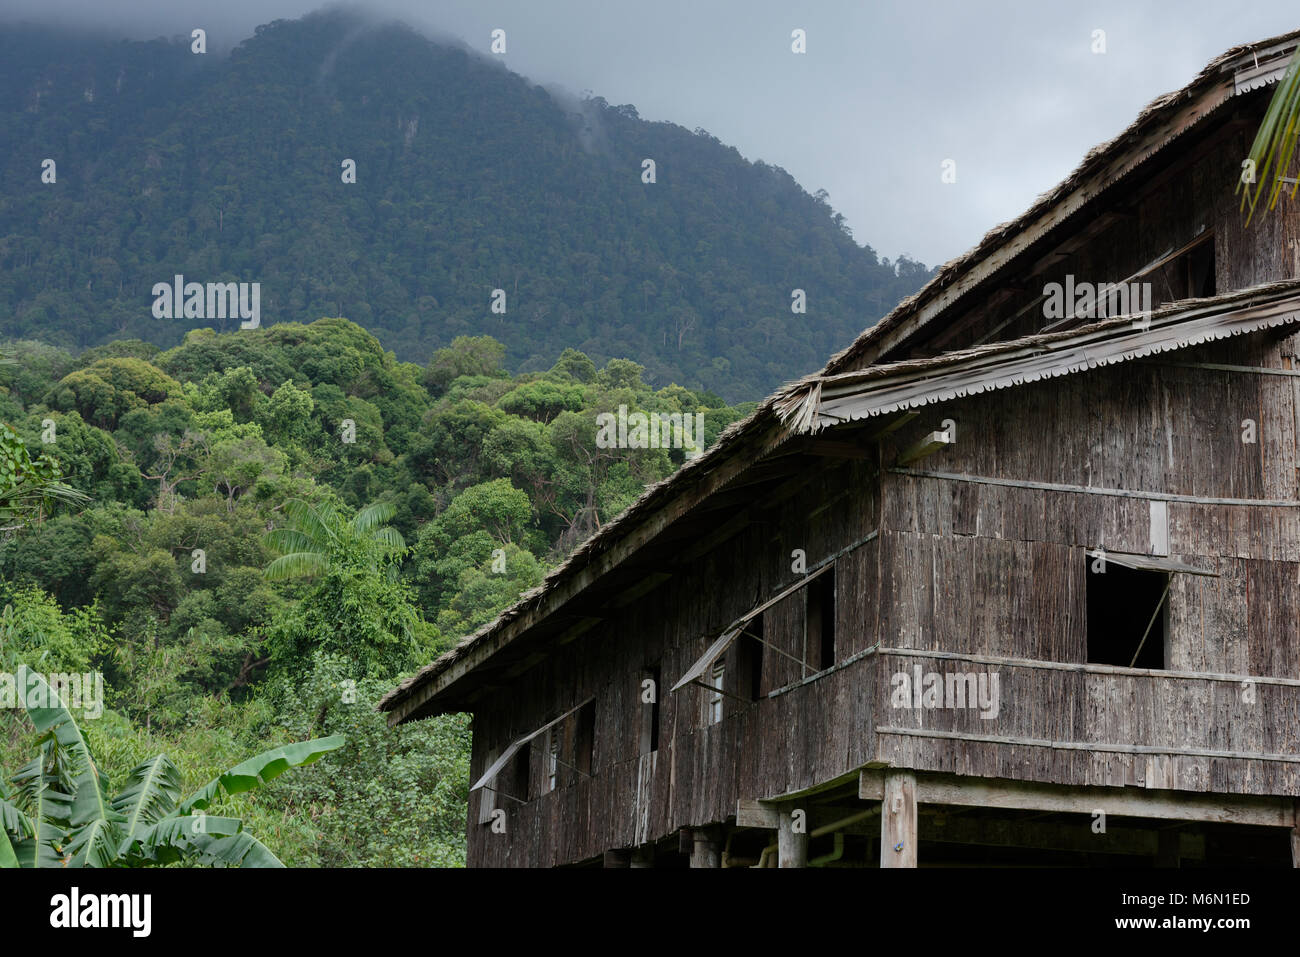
(844, 782)
(1000, 832)
(1116, 802)
(1097, 747)
(751, 813)
(925, 446)
(1091, 668)
(1226, 367)
(1096, 490)
(822, 819)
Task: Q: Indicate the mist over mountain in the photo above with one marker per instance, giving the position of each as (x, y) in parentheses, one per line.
(469, 179)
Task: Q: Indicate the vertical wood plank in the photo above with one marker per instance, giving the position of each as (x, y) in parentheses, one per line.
(792, 837)
(898, 821)
(706, 848)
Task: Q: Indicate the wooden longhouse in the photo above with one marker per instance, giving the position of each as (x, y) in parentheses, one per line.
(1088, 525)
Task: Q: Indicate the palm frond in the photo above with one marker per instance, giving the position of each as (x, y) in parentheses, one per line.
(30, 490)
(54, 722)
(284, 540)
(95, 842)
(235, 850)
(93, 824)
(373, 516)
(12, 822)
(172, 838)
(296, 565)
(390, 537)
(1275, 145)
(8, 856)
(49, 809)
(312, 523)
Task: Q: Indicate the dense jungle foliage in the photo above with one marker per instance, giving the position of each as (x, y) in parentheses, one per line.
(281, 524)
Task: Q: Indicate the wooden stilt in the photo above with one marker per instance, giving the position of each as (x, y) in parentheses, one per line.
(898, 821)
(707, 848)
(792, 837)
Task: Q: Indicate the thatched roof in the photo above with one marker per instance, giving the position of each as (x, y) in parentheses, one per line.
(1161, 123)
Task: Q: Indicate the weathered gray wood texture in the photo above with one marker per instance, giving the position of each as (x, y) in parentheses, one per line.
(808, 733)
(987, 570)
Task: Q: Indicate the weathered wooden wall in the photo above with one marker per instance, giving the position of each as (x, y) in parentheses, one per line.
(1104, 728)
(999, 572)
(802, 734)
(1139, 427)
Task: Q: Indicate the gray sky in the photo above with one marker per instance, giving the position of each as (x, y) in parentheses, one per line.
(887, 90)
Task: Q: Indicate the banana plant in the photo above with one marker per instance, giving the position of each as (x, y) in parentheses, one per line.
(60, 813)
(1274, 146)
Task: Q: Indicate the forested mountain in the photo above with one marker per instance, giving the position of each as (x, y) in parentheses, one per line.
(469, 179)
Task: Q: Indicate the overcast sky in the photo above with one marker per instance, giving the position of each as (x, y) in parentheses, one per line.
(888, 89)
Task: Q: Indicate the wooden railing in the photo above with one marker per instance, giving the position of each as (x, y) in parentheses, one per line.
(1088, 724)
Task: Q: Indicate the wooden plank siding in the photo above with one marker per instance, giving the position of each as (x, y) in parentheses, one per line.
(1106, 729)
(700, 771)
